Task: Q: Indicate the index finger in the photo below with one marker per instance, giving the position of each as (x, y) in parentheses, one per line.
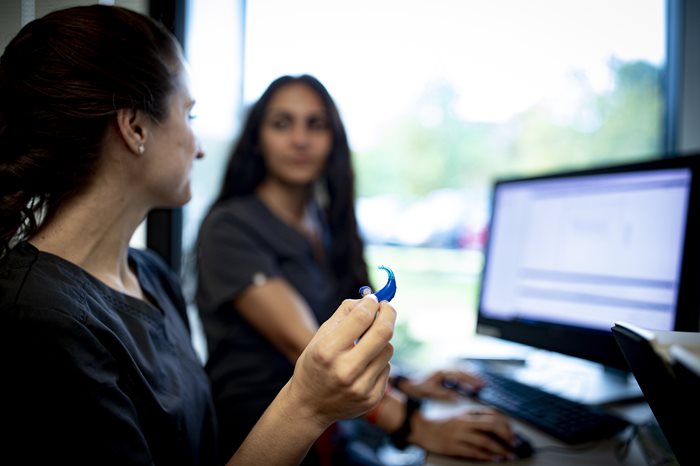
(466, 378)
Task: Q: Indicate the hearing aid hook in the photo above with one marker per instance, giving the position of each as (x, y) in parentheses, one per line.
(388, 291)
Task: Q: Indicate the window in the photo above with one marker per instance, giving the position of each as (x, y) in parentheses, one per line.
(441, 97)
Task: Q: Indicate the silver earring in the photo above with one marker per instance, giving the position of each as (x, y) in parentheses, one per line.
(141, 148)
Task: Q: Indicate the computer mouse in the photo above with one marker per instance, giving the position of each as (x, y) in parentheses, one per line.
(521, 446)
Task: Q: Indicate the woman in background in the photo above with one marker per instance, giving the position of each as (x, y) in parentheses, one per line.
(98, 367)
(278, 248)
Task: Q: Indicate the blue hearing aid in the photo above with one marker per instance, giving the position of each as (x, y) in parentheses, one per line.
(387, 293)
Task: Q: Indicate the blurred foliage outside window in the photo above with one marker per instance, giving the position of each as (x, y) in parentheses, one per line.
(415, 161)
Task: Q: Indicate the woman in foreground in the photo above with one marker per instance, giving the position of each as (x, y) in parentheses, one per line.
(97, 362)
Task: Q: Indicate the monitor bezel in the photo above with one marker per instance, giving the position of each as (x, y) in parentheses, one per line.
(599, 346)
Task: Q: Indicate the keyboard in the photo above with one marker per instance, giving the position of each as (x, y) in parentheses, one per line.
(569, 421)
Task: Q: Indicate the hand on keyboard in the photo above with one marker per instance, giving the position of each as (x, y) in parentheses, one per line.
(441, 384)
(567, 420)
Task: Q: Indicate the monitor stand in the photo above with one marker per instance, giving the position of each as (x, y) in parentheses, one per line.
(572, 378)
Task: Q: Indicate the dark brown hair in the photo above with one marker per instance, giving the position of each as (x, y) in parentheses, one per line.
(62, 80)
(246, 170)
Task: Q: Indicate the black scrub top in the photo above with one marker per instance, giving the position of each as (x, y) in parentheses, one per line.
(93, 376)
(241, 243)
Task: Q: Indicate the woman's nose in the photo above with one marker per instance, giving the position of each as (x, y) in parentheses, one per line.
(300, 135)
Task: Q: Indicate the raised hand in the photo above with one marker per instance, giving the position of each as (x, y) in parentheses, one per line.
(339, 375)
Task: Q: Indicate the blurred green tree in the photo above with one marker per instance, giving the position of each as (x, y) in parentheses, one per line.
(430, 147)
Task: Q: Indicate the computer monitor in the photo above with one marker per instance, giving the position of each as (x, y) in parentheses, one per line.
(570, 253)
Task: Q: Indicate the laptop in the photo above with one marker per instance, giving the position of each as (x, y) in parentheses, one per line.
(666, 365)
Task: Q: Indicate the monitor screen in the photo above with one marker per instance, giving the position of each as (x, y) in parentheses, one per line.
(569, 254)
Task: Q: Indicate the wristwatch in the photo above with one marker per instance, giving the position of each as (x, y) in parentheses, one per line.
(398, 438)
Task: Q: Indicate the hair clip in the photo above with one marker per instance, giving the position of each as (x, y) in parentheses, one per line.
(387, 293)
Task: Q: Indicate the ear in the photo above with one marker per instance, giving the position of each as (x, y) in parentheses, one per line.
(132, 128)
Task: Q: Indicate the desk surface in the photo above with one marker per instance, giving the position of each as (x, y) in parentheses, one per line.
(550, 450)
